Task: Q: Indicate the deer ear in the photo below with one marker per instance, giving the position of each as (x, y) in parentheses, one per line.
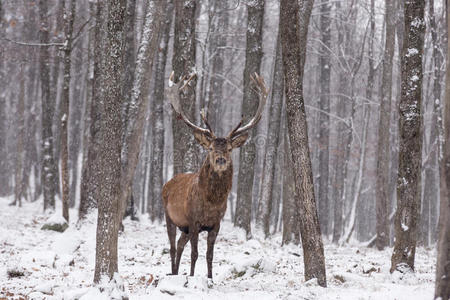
(239, 141)
(202, 139)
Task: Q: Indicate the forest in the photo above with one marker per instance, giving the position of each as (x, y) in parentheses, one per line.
(299, 149)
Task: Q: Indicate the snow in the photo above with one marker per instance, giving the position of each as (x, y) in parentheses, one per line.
(412, 51)
(56, 218)
(405, 227)
(61, 265)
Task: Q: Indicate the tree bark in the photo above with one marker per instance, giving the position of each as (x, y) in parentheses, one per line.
(54, 80)
(340, 145)
(219, 26)
(130, 61)
(19, 183)
(92, 119)
(273, 138)
(47, 156)
(382, 183)
(247, 153)
(431, 187)
(108, 163)
(442, 287)
(157, 180)
(410, 129)
(185, 154)
(294, 32)
(324, 118)
(289, 207)
(69, 15)
(138, 102)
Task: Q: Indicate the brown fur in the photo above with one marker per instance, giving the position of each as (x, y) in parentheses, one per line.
(195, 202)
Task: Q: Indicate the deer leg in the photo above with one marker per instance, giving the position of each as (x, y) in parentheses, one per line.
(194, 250)
(172, 233)
(184, 238)
(212, 235)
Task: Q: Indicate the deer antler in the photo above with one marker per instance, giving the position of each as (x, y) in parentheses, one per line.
(262, 90)
(173, 95)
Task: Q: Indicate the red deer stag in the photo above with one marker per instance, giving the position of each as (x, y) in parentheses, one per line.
(196, 202)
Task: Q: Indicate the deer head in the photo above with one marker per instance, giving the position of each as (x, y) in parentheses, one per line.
(219, 148)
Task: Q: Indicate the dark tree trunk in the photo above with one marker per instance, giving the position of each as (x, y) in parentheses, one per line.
(273, 139)
(79, 95)
(442, 288)
(382, 184)
(47, 156)
(410, 129)
(19, 183)
(108, 163)
(185, 157)
(156, 178)
(54, 80)
(247, 154)
(219, 27)
(128, 74)
(324, 118)
(69, 15)
(289, 207)
(138, 106)
(92, 117)
(294, 32)
(130, 60)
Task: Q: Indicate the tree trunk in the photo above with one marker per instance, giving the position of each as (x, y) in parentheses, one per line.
(410, 128)
(19, 183)
(294, 32)
(324, 118)
(359, 176)
(340, 145)
(47, 156)
(289, 208)
(366, 120)
(431, 187)
(138, 103)
(158, 116)
(69, 15)
(130, 61)
(92, 120)
(54, 80)
(382, 183)
(247, 153)
(442, 288)
(185, 154)
(108, 169)
(273, 138)
(219, 27)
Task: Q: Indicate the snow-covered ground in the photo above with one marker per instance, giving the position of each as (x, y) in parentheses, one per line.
(61, 265)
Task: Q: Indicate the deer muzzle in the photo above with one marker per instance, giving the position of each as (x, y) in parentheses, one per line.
(221, 161)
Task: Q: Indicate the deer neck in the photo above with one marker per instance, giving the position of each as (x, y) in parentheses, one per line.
(215, 186)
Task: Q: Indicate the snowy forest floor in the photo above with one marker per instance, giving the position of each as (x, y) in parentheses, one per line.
(61, 265)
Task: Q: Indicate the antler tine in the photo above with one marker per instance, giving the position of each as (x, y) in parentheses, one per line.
(172, 93)
(236, 128)
(262, 90)
(205, 120)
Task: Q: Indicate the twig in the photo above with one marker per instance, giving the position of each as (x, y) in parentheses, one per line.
(33, 44)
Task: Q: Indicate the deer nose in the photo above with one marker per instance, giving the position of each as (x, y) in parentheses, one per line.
(221, 161)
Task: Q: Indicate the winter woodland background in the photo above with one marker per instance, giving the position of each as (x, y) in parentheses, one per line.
(84, 124)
